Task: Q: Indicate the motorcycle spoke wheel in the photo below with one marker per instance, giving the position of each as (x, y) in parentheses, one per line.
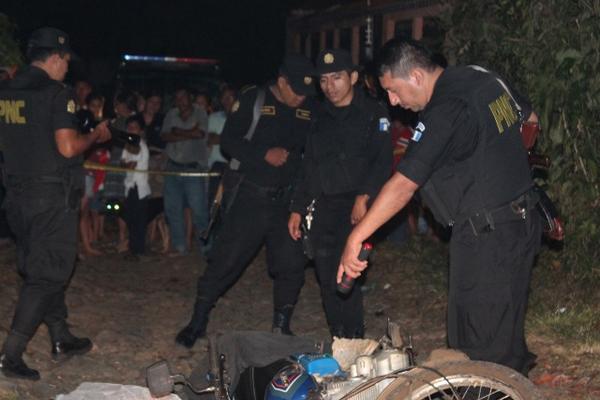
(462, 380)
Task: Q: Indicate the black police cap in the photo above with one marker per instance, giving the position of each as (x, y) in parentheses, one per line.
(50, 38)
(334, 60)
(299, 72)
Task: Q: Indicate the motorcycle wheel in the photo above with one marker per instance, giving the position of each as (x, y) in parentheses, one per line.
(462, 380)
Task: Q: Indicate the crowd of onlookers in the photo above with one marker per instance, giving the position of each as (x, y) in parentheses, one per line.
(157, 208)
(184, 139)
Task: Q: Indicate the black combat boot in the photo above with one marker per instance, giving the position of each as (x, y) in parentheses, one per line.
(281, 320)
(529, 363)
(11, 361)
(65, 344)
(197, 326)
(336, 331)
(355, 333)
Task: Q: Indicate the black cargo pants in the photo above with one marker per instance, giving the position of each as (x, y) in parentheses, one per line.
(256, 216)
(489, 284)
(46, 235)
(330, 229)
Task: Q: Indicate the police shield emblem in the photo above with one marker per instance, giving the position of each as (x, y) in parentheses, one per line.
(384, 124)
(418, 133)
(71, 106)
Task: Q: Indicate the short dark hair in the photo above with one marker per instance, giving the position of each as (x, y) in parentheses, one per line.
(227, 87)
(152, 93)
(41, 54)
(205, 95)
(400, 56)
(128, 98)
(137, 119)
(185, 89)
(93, 96)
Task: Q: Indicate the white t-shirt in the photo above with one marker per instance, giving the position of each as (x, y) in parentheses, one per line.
(139, 179)
(216, 122)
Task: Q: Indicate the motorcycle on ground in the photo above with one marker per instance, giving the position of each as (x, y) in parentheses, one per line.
(358, 370)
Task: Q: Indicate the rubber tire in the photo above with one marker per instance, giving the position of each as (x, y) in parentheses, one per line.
(414, 385)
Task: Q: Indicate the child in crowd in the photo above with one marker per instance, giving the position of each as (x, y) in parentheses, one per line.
(137, 189)
(89, 117)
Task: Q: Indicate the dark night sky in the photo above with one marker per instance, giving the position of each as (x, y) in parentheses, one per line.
(248, 36)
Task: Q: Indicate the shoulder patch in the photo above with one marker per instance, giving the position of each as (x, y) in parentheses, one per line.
(303, 114)
(235, 106)
(268, 110)
(384, 124)
(71, 106)
(418, 133)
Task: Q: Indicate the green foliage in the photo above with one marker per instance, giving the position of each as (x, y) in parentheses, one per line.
(549, 50)
(9, 49)
(567, 308)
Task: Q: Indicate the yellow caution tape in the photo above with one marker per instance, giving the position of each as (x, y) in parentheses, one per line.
(112, 168)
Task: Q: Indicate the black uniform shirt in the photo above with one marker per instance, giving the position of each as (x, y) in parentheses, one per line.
(447, 138)
(32, 107)
(444, 133)
(447, 130)
(349, 150)
(278, 126)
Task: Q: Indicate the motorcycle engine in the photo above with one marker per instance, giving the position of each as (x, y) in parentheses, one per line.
(329, 382)
(365, 368)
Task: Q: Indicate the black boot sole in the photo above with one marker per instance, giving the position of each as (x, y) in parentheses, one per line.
(13, 375)
(11, 370)
(60, 357)
(186, 341)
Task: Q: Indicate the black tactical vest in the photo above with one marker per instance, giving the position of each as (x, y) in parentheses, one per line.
(498, 171)
(26, 133)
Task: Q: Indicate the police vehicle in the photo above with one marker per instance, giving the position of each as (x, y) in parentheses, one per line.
(164, 74)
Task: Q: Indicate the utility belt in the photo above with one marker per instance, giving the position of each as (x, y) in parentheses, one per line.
(271, 192)
(72, 191)
(486, 221)
(20, 180)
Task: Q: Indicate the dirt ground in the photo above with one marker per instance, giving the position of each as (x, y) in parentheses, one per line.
(132, 311)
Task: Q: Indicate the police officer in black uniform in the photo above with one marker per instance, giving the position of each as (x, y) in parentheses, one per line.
(467, 157)
(269, 162)
(44, 178)
(347, 159)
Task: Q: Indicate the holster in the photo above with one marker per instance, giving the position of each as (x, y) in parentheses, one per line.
(518, 209)
(551, 223)
(72, 184)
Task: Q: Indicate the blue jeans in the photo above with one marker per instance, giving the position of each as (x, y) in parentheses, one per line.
(180, 192)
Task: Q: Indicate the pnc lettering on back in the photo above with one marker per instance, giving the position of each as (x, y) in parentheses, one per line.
(10, 110)
(503, 112)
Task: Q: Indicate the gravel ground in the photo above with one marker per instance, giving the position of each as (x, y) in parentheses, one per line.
(132, 311)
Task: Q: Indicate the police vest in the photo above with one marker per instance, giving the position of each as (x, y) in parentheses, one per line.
(26, 132)
(498, 171)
